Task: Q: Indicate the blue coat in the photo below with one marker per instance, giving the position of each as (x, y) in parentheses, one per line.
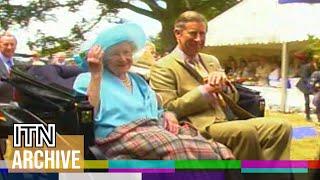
(304, 83)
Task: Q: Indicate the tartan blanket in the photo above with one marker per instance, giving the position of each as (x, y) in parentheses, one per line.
(150, 139)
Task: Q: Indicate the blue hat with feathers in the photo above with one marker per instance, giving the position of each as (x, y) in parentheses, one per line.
(111, 36)
(114, 35)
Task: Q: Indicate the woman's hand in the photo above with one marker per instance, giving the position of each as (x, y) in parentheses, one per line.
(171, 123)
(95, 59)
(170, 116)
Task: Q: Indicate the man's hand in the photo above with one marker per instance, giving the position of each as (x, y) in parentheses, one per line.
(95, 58)
(216, 81)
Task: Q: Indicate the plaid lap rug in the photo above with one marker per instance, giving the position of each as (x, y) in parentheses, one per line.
(149, 139)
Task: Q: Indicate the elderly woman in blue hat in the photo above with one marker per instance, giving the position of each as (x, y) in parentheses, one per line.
(129, 124)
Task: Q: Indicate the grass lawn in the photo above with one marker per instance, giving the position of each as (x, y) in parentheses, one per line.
(307, 148)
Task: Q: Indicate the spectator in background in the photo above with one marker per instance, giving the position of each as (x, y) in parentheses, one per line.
(35, 58)
(242, 66)
(79, 60)
(244, 70)
(8, 44)
(231, 66)
(148, 56)
(61, 75)
(304, 83)
(145, 60)
(250, 69)
(315, 84)
(59, 58)
(275, 75)
(262, 71)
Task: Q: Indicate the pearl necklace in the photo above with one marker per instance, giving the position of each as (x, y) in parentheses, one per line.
(127, 83)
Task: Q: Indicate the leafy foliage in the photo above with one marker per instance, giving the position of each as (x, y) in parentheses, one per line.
(313, 45)
(31, 10)
(50, 44)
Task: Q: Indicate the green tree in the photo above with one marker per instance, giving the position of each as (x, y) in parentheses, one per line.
(164, 11)
(49, 45)
(21, 14)
(13, 13)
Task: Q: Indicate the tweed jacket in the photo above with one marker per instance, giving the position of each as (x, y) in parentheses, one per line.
(176, 82)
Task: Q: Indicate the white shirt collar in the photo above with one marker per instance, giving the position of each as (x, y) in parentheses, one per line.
(185, 57)
(60, 63)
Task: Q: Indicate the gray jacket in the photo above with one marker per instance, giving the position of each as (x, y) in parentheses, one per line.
(6, 90)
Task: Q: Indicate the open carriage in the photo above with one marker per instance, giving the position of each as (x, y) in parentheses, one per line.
(38, 101)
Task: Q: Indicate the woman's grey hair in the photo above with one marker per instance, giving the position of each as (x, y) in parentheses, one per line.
(105, 58)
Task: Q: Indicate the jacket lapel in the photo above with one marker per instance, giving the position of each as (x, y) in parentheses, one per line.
(3, 69)
(209, 65)
(186, 66)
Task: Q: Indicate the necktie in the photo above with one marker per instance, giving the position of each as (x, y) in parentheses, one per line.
(201, 70)
(10, 64)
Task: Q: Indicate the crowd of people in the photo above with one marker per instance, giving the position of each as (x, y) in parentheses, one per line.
(258, 70)
(187, 110)
(266, 71)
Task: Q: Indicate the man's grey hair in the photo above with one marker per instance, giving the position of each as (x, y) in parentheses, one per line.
(7, 34)
(189, 16)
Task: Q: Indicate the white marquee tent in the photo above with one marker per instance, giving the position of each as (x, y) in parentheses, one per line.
(263, 23)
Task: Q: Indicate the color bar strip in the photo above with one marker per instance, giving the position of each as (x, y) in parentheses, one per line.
(4, 171)
(95, 164)
(274, 164)
(274, 170)
(298, 1)
(141, 164)
(186, 175)
(314, 164)
(208, 164)
(141, 170)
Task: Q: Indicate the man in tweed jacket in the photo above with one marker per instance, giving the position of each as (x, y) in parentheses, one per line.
(192, 85)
